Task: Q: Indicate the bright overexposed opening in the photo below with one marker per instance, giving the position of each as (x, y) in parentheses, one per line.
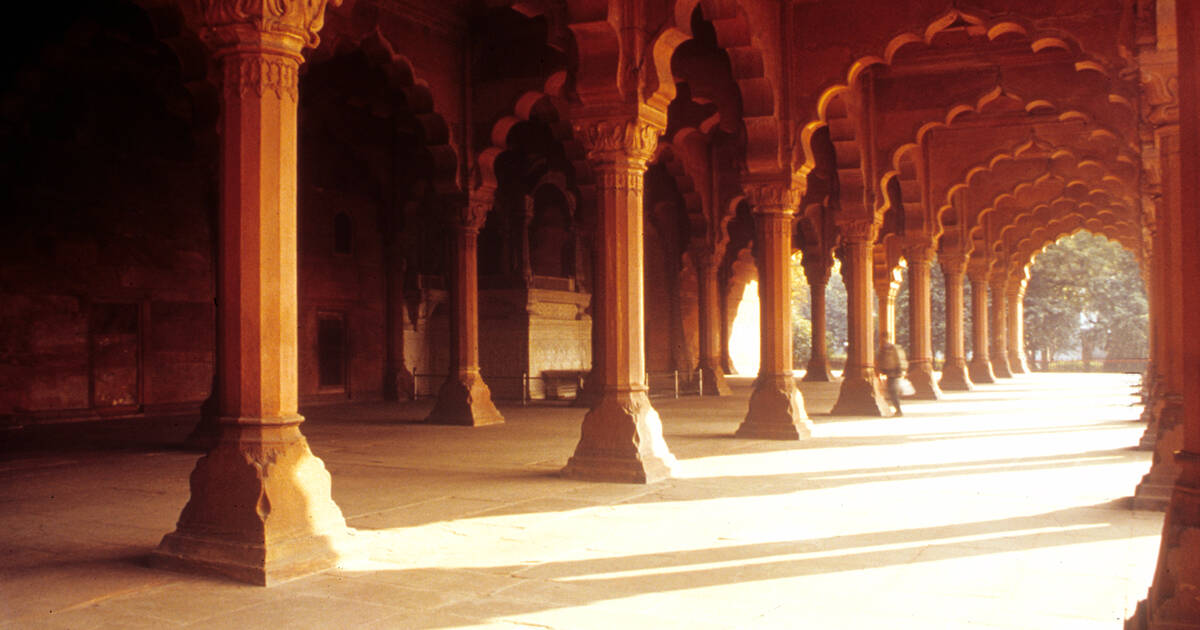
(743, 335)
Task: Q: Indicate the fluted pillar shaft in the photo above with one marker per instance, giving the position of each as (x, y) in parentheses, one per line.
(710, 326)
(261, 458)
(980, 367)
(1157, 485)
(920, 333)
(1172, 603)
(776, 406)
(621, 438)
(954, 372)
(860, 392)
(464, 398)
(1016, 326)
(818, 361)
(999, 324)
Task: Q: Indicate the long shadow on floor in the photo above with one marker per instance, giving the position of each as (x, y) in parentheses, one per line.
(570, 583)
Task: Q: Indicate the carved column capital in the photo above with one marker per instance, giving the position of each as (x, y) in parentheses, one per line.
(859, 231)
(469, 212)
(259, 42)
(288, 25)
(953, 262)
(772, 197)
(921, 254)
(979, 269)
(612, 140)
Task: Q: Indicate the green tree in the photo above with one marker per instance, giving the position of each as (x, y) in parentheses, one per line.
(835, 314)
(1085, 293)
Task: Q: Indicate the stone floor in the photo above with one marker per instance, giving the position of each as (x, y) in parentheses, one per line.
(1001, 508)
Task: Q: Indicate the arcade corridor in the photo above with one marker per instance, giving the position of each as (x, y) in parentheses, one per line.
(1006, 507)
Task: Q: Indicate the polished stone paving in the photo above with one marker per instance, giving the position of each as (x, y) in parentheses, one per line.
(1006, 507)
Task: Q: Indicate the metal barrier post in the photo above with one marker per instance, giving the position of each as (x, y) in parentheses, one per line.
(524, 389)
(675, 374)
(700, 381)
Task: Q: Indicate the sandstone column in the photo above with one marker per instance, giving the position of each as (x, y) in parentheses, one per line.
(710, 325)
(260, 509)
(464, 398)
(621, 438)
(999, 322)
(817, 273)
(1172, 603)
(920, 359)
(980, 368)
(954, 372)
(1156, 486)
(886, 289)
(776, 407)
(1016, 321)
(860, 393)
(1154, 380)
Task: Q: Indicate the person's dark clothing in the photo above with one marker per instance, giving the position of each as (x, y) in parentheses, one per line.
(893, 364)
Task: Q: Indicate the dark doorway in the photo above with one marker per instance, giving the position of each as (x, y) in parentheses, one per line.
(332, 351)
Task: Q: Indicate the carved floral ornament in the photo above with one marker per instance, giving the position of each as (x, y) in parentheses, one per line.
(262, 75)
(299, 19)
(614, 138)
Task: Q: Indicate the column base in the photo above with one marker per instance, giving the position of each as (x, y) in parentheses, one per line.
(621, 441)
(980, 371)
(1000, 367)
(920, 374)
(817, 371)
(1019, 366)
(861, 396)
(465, 400)
(955, 378)
(1172, 603)
(776, 411)
(260, 509)
(1154, 490)
(714, 383)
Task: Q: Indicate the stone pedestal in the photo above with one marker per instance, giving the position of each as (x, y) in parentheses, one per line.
(464, 399)
(1154, 490)
(920, 360)
(1172, 603)
(954, 372)
(621, 439)
(776, 407)
(860, 393)
(260, 509)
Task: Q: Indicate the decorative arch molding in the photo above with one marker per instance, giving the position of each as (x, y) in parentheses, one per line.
(547, 106)
(1049, 190)
(1102, 141)
(693, 205)
(997, 172)
(404, 86)
(1007, 250)
(1039, 39)
(1036, 241)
